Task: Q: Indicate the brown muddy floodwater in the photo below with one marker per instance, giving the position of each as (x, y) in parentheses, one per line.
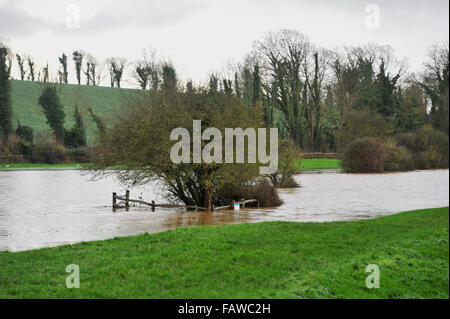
(49, 208)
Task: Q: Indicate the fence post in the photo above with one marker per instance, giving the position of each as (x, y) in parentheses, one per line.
(114, 200)
(153, 205)
(127, 197)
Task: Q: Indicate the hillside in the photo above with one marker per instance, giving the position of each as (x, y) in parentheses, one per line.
(103, 100)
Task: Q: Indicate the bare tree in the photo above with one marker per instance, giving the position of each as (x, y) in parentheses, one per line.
(93, 70)
(64, 73)
(21, 63)
(45, 74)
(31, 70)
(116, 67)
(146, 71)
(282, 57)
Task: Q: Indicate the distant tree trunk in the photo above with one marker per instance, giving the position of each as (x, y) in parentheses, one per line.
(5, 94)
(208, 192)
(31, 68)
(78, 59)
(21, 64)
(64, 73)
(45, 74)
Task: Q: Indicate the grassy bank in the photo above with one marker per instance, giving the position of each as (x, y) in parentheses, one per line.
(318, 163)
(261, 260)
(306, 164)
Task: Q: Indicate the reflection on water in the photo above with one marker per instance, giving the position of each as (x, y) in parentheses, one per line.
(49, 208)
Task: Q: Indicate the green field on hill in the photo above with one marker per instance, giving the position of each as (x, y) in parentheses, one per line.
(103, 100)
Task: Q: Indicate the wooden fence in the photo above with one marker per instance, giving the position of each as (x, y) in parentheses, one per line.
(126, 200)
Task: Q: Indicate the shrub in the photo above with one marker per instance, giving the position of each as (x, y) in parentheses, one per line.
(47, 150)
(397, 158)
(10, 145)
(25, 133)
(360, 124)
(284, 177)
(26, 148)
(79, 154)
(363, 155)
(429, 147)
(262, 190)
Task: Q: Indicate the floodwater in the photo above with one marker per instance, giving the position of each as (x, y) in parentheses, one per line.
(49, 208)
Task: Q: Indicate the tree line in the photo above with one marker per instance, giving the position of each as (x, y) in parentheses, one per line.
(318, 98)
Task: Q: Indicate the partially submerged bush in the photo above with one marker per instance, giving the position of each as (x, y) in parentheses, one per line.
(137, 146)
(397, 158)
(289, 155)
(260, 189)
(363, 155)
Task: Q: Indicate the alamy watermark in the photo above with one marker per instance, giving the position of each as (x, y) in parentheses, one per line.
(73, 16)
(373, 19)
(212, 152)
(373, 280)
(73, 280)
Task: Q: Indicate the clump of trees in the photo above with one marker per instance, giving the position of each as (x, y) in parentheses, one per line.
(425, 148)
(136, 148)
(73, 139)
(319, 99)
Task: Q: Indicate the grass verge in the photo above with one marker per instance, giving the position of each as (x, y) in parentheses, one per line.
(260, 260)
(32, 166)
(318, 163)
(305, 164)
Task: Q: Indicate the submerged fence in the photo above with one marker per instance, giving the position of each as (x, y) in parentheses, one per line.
(126, 200)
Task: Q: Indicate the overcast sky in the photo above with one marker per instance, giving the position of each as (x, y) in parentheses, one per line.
(201, 36)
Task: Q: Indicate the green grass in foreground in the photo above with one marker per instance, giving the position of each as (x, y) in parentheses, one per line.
(260, 260)
(318, 163)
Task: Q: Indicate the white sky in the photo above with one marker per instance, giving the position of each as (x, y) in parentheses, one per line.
(201, 37)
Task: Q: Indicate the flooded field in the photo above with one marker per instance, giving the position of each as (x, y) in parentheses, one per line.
(49, 208)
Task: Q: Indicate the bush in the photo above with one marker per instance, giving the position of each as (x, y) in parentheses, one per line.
(79, 154)
(363, 155)
(360, 124)
(284, 177)
(48, 151)
(429, 147)
(26, 148)
(262, 190)
(25, 133)
(397, 158)
(10, 145)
